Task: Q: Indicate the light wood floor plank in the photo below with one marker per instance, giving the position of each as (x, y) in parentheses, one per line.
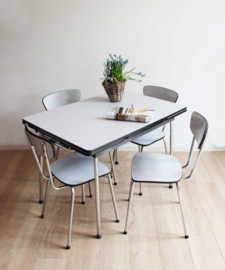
(144, 253)
(50, 264)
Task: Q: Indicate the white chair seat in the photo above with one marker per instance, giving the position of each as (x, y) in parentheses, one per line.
(156, 168)
(150, 138)
(76, 169)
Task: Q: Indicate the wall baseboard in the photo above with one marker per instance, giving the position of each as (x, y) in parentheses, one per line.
(123, 148)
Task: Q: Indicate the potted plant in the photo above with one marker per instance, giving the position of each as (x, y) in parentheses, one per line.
(115, 77)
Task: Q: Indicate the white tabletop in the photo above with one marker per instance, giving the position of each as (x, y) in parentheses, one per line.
(84, 123)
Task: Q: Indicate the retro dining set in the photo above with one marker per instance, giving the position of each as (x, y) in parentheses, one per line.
(82, 128)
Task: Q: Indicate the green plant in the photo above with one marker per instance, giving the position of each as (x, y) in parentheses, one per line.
(114, 70)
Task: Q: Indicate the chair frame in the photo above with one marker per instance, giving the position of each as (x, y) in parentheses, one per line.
(200, 147)
(50, 180)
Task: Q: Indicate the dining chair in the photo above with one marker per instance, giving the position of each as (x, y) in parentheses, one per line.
(166, 169)
(72, 170)
(58, 99)
(157, 134)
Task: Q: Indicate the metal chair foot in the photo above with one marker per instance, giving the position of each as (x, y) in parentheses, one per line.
(83, 202)
(99, 236)
(124, 232)
(140, 194)
(117, 162)
(90, 196)
(117, 221)
(170, 186)
(67, 247)
(115, 184)
(186, 236)
(40, 201)
(42, 216)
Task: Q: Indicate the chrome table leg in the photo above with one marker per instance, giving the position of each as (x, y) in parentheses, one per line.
(140, 148)
(112, 168)
(41, 182)
(171, 142)
(97, 199)
(71, 218)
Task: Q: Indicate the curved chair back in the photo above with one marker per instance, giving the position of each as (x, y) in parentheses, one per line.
(199, 128)
(61, 98)
(160, 93)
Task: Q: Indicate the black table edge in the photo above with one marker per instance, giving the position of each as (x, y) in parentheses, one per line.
(113, 144)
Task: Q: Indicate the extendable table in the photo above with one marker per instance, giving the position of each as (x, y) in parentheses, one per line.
(83, 127)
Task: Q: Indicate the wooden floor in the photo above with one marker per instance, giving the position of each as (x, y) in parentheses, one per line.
(155, 238)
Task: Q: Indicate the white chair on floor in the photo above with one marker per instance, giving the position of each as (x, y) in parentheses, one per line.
(72, 170)
(62, 98)
(157, 134)
(166, 169)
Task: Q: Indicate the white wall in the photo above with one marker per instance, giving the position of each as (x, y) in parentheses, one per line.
(46, 46)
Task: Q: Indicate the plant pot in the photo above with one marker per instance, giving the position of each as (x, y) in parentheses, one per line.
(114, 90)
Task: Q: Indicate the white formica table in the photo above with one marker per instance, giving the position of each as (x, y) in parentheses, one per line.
(83, 126)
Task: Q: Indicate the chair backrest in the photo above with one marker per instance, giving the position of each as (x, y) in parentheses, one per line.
(37, 142)
(160, 93)
(44, 147)
(199, 128)
(61, 98)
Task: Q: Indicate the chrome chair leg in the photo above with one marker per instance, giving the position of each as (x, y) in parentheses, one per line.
(83, 194)
(90, 191)
(71, 218)
(140, 192)
(116, 156)
(165, 146)
(182, 211)
(113, 199)
(57, 153)
(112, 168)
(46, 197)
(129, 206)
(41, 182)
